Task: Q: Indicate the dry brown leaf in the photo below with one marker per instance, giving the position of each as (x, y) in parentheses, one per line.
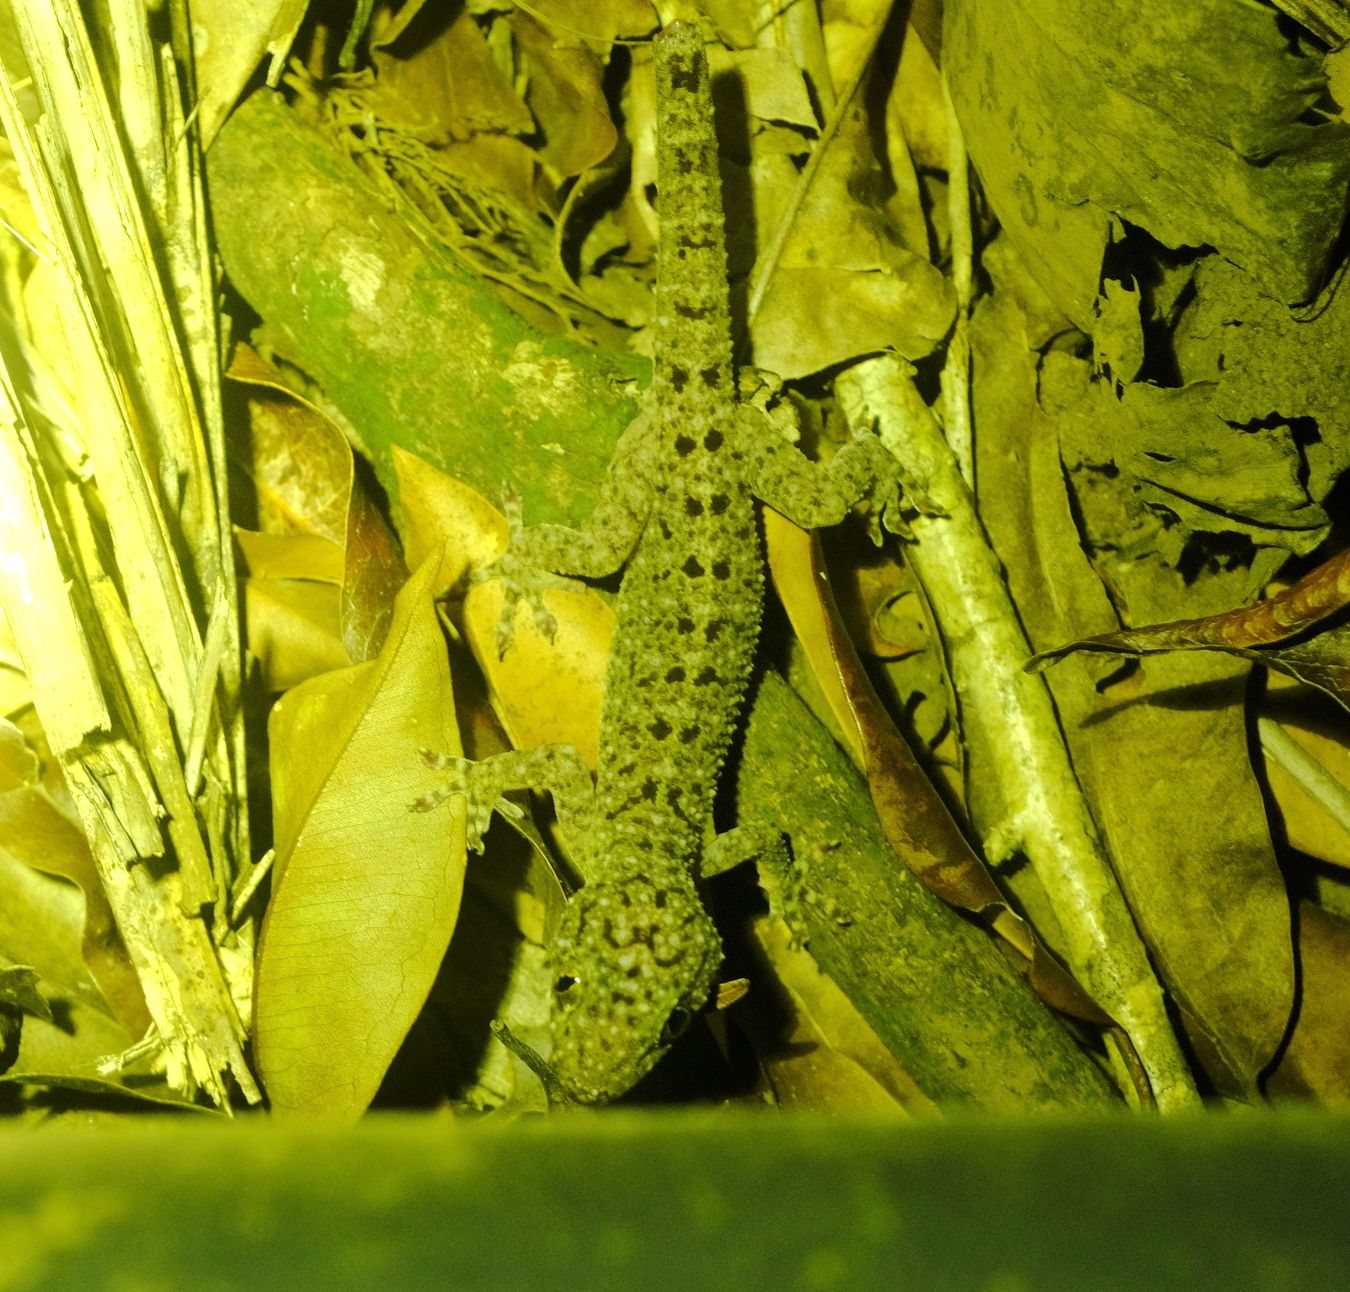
(305, 476)
(295, 466)
(290, 556)
(566, 94)
(568, 673)
(293, 630)
(230, 38)
(844, 271)
(1323, 734)
(915, 820)
(601, 20)
(449, 88)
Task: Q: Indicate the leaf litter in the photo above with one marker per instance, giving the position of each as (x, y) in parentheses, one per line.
(1158, 429)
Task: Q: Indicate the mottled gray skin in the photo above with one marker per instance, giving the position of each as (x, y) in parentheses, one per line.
(636, 954)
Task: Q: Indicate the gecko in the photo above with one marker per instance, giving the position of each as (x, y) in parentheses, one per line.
(636, 954)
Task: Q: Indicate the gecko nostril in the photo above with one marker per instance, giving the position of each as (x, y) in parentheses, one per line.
(565, 983)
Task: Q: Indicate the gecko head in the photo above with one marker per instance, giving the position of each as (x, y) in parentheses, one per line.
(632, 962)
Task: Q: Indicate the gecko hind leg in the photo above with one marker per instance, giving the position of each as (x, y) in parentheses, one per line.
(784, 876)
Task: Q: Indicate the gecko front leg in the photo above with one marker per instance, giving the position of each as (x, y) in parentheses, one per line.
(816, 495)
(538, 554)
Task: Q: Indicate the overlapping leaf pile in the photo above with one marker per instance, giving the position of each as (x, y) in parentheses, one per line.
(447, 231)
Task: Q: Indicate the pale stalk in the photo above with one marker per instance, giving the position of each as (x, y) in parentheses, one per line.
(956, 366)
(1309, 774)
(199, 1033)
(1010, 712)
(138, 352)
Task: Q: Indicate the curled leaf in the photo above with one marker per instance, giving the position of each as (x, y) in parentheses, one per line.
(306, 483)
(447, 516)
(1252, 632)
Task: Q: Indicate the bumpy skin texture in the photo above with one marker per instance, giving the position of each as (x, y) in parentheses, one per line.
(636, 938)
(636, 954)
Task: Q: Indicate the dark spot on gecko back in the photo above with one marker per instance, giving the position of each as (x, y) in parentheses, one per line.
(679, 378)
(714, 629)
(649, 790)
(660, 729)
(684, 77)
(694, 313)
(713, 441)
(692, 507)
(719, 502)
(684, 445)
(692, 568)
(684, 625)
(675, 674)
(712, 377)
(706, 677)
(721, 570)
(688, 735)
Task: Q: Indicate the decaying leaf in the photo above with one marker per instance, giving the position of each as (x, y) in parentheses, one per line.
(19, 990)
(1316, 1058)
(42, 922)
(37, 830)
(1253, 632)
(1307, 764)
(1272, 365)
(447, 516)
(843, 283)
(306, 483)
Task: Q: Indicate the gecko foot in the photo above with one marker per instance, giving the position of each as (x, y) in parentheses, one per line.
(479, 785)
(797, 894)
(522, 579)
(886, 495)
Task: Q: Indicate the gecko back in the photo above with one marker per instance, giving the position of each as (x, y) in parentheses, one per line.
(636, 952)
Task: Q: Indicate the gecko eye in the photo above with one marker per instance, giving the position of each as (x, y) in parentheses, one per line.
(676, 1025)
(565, 983)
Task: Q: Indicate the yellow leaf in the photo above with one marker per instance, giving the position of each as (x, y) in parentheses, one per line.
(366, 890)
(293, 629)
(542, 691)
